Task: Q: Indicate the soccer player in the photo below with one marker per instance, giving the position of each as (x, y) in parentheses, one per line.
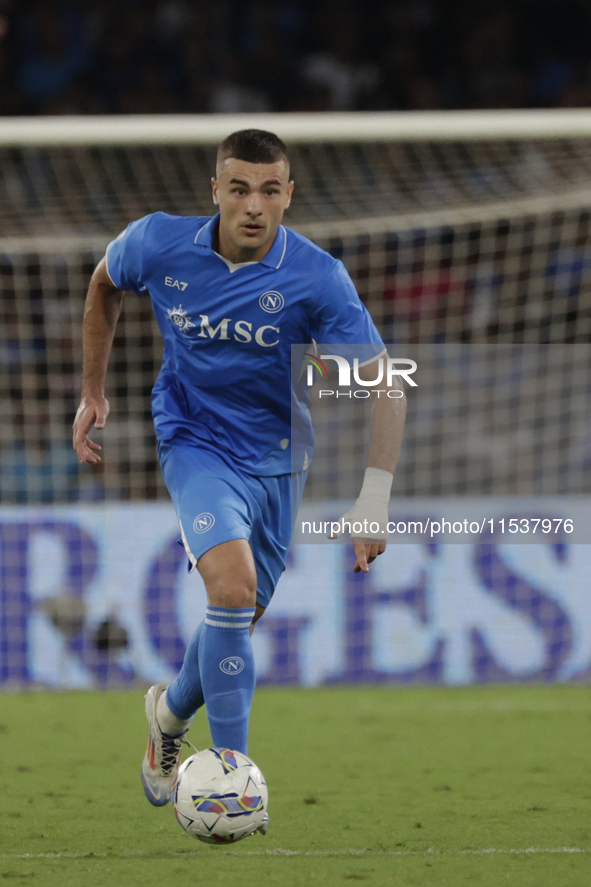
(231, 294)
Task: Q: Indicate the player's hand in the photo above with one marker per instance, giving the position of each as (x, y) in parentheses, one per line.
(91, 412)
(366, 551)
(370, 516)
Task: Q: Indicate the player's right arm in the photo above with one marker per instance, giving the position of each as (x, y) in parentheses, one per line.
(101, 312)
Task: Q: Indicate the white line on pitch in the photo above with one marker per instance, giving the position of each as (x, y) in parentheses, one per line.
(283, 852)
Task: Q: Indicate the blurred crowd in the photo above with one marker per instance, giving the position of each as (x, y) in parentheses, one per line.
(167, 56)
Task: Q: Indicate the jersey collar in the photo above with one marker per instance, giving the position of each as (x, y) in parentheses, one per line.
(273, 259)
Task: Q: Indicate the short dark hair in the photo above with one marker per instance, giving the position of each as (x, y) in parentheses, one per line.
(254, 146)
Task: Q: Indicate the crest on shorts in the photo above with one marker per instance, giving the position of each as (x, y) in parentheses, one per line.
(203, 522)
(180, 318)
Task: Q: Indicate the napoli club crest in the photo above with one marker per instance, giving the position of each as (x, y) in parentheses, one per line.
(203, 522)
(271, 302)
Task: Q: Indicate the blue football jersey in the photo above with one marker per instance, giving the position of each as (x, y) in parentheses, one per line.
(228, 330)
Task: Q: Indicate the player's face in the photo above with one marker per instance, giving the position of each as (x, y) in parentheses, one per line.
(252, 198)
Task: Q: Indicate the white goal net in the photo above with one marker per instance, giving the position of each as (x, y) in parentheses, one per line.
(469, 229)
(468, 237)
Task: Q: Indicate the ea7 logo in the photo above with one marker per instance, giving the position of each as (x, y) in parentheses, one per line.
(272, 302)
(176, 284)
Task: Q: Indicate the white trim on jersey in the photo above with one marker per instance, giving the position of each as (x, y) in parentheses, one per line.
(367, 362)
(284, 247)
(234, 266)
(107, 264)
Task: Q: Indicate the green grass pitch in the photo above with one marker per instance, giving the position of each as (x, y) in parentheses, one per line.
(418, 786)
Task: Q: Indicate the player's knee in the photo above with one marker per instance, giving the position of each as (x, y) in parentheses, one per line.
(237, 594)
(230, 575)
(241, 597)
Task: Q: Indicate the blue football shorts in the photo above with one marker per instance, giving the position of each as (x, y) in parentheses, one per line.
(216, 502)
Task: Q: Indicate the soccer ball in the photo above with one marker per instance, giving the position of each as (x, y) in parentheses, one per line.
(220, 796)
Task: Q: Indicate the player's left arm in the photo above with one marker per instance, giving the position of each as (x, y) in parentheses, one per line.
(371, 508)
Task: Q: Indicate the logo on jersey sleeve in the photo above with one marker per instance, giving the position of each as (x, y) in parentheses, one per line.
(271, 302)
(180, 319)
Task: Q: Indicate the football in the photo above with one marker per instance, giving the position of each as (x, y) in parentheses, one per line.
(220, 796)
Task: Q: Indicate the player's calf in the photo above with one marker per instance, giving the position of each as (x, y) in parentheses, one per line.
(226, 664)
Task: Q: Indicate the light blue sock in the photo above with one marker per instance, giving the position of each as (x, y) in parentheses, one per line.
(185, 695)
(226, 666)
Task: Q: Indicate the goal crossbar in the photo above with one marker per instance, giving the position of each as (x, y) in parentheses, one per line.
(297, 128)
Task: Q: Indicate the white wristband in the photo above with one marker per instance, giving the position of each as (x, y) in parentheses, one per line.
(368, 519)
(377, 483)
